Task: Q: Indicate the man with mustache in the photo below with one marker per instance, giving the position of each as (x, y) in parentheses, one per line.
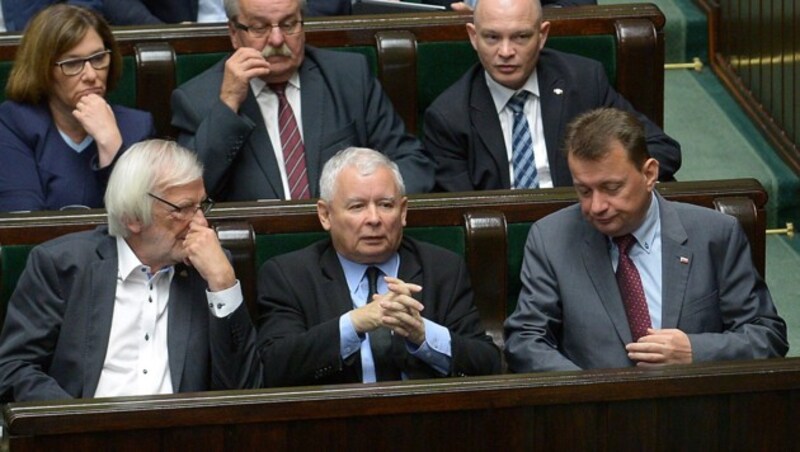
(627, 278)
(266, 119)
(368, 304)
(149, 304)
(501, 125)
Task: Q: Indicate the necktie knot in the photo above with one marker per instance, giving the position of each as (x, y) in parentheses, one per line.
(624, 242)
(278, 88)
(517, 102)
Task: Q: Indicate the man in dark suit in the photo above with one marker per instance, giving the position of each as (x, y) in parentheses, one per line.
(469, 129)
(149, 12)
(148, 305)
(627, 278)
(320, 323)
(230, 114)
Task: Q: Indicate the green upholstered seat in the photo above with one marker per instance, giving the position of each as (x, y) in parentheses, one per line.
(12, 262)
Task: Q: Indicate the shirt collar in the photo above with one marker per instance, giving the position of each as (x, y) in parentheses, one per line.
(258, 85)
(647, 232)
(128, 263)
(501, 94)
(354, 272)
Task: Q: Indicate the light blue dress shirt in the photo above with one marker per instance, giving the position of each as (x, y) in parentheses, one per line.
(646, 255)
(435, 351)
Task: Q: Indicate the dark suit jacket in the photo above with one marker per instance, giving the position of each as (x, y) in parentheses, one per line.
(56, 332)
(463, 133)
(342, 105)
(570, 314)
(17, 13)
(39, 171)
(302, 295)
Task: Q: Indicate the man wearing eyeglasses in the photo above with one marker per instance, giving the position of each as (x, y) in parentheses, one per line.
(266, 119)
(148, 305)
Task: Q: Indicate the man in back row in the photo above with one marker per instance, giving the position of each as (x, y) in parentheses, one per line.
(266, 119)
(502, 124)
(628, 278)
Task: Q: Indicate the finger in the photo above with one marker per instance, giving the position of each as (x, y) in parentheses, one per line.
(647, 357)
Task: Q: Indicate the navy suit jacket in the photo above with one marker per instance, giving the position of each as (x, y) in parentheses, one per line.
(570, 313)
(302, 294)
(57, 327)
(17, 13)
(39, 171)
(463, 133)
(342, 105)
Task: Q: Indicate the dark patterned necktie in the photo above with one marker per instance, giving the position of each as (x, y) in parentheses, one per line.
(630, 287)
(525, 175)
(294, 156)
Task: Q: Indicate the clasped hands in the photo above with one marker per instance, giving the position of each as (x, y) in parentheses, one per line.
(660, 347)
(395, 309)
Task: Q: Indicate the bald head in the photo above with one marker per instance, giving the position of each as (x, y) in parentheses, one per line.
(528, 9)
(508, 36)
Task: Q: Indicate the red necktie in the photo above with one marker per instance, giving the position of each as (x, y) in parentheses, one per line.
(294, 156)
(630, 287)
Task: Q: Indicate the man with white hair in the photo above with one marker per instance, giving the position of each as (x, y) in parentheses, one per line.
(368, 304)
(148, 305)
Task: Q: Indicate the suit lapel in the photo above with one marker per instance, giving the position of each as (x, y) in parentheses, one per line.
(259, 139)
(312, 99)
(597, 264)
(179, 323)
(486, 122)
(101, 297)
(551, 100)
(676, 260)
(334, 282)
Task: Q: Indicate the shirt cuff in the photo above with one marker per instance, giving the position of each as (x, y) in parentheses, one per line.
(436, 351)
(225, 302)
(349, 339)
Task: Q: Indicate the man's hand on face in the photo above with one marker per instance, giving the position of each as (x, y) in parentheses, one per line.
(205, 254)
(245, 64)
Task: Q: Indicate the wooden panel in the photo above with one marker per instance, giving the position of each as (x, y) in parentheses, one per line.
(713, 406)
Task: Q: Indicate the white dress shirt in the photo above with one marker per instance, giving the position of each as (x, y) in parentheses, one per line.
(533, 112)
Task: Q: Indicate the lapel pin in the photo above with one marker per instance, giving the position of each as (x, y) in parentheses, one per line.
(184, 273)
(684, 260)
(558, 91)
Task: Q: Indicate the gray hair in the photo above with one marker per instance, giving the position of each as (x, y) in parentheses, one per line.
(150, 166)
(232, 8)
(365, 160)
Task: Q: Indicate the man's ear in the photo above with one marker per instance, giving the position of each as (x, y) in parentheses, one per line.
(650, 171)
(324, 214)
(473, 36)
(133, 225)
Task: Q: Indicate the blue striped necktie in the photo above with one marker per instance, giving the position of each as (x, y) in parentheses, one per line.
(522, 159)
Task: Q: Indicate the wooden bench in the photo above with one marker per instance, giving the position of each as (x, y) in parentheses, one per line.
(488, 228)
(415, 56)
(748, 405)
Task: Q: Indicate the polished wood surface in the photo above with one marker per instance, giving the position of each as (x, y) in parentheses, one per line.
(748, 405)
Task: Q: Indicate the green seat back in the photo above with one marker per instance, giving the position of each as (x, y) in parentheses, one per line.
(12, 262)
(517, 235)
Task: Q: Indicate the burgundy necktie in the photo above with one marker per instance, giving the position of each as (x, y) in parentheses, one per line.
(630, 287)
(294, 156)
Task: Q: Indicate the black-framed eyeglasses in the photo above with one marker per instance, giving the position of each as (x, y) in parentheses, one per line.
(74, 66)
(185, 212)
(287, 27)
